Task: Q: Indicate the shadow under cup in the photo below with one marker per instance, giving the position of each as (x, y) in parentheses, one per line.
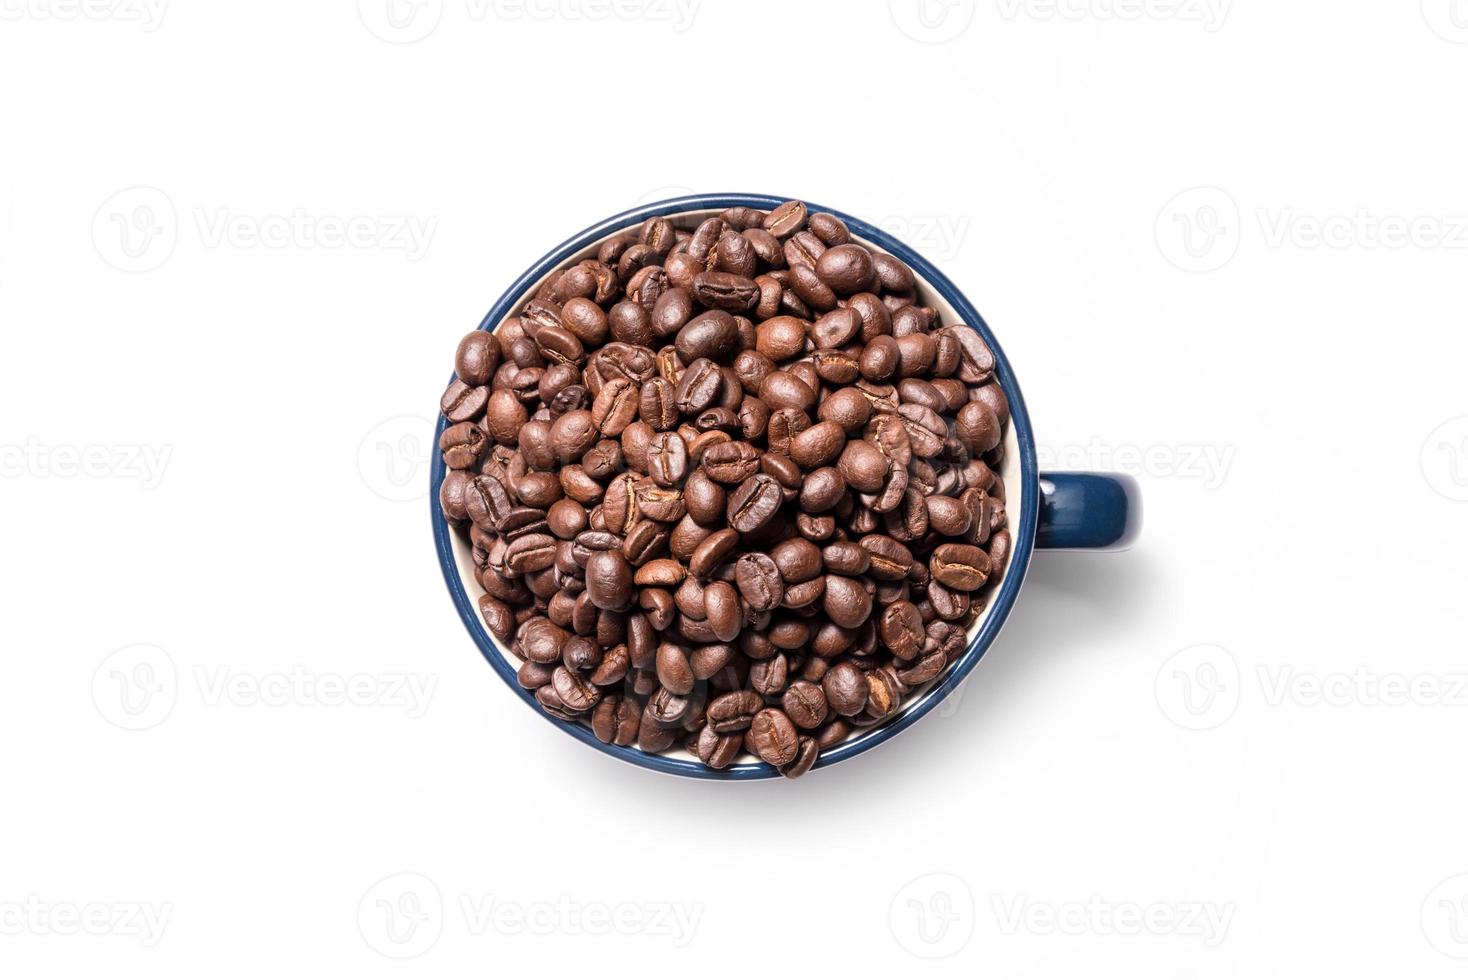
(1018, 470)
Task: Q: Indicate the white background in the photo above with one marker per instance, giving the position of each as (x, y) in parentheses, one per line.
(1234, 751)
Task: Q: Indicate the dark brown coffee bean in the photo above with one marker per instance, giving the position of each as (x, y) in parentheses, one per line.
(848, 408)
(784, 425)
(667, 459)
(785, 220)
(575, 692)
(531, 553)
(890, 560)
(713, 551)
(805, 704)
(947, 516)
(609, 580)
(863, 466)
(462, 445)
(759, 581)
(901, 630)
(846, 602)
(715, 750)
(462, 402)
(754, 503)
(782, 337)
(734, 712)
(721, 608)
(477, 358)
(960, 566)
(657, 404)
(818, 446)
(674, 671)
(822, 490)
(713, 334)
(845, 687)
(846, 268)
(616, 720)
(730, 462)
(615, 407)
(781, 389)
(774, 737)
(699, 386)
(797, 560)
(665, 572)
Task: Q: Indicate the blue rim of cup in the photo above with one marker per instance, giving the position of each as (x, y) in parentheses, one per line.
(1000, 602)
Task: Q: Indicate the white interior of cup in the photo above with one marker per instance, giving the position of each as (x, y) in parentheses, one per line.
(1009, 469)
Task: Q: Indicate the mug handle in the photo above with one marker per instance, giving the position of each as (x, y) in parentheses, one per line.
(1088, 512)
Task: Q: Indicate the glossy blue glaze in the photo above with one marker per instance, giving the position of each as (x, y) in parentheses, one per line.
(1088, 511)
(1001, 600)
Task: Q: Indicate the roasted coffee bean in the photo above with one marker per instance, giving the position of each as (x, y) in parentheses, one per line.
(575, 692)
(462, 402)
(901, 630)
(863, 466)
(616, 720)
(846, 268)
(731, 462)
(715, 750)
(846, 602)
(674, 671)
(609, 580)
(713, 334)
(978, 427)
(884, 693)
(699, 386)
(890, 560)
(759, 581)
(723, 462)
(818, 446)
(754, 503)
(734, 712)
(462, 445)
(805, 704)
(848, 408)
(822, 490)
(774, 737)
(572, 435)
(782, 389)
(797, 559)
(947, 516)
(725, 291)
(960, 566)
(667, 459)
(782, 337)
(531, 553)
(786, 219)
(477, 358)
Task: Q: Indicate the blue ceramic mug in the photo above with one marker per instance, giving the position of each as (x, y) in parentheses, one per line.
(1052, 511)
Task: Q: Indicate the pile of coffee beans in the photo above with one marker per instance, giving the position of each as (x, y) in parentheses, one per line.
(729, 485)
